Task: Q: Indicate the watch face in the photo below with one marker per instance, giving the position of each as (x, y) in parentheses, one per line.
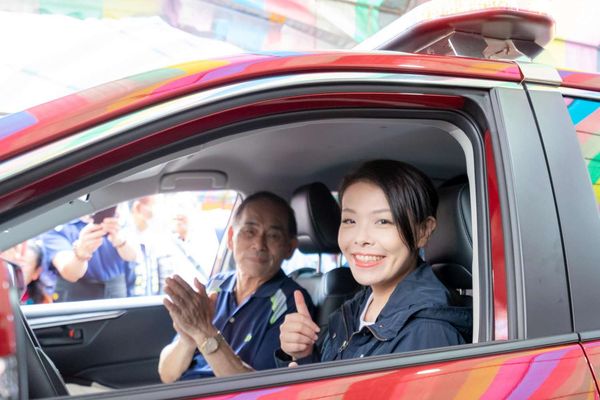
(211, 345)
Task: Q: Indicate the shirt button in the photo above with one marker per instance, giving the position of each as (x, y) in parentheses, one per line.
(362, 355)
(334, 335)
(231, 320)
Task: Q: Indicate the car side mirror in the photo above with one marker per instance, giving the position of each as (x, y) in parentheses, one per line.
(17, 279)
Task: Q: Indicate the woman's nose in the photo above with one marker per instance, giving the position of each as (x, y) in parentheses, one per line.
(362, 237)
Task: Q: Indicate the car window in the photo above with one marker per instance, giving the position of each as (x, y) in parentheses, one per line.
(300, 260)
(585, 115)
(144, 241)
(249, 150)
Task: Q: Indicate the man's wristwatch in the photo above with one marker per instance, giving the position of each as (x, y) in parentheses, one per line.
(211, 344)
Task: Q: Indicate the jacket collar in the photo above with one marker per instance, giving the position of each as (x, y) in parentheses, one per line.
(418, 291)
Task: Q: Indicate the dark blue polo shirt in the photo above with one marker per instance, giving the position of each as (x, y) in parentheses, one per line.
(105, 263)
(251, 328)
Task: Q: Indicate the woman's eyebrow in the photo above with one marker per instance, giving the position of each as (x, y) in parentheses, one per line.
(382, 210)
(379, 211)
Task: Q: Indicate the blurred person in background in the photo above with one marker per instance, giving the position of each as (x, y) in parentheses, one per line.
(142, 275)
(196, 239)
(32, 269)
(90, 259)
(166, 245)
(29, 256)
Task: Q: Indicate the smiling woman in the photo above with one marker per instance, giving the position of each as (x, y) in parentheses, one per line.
(388, 214)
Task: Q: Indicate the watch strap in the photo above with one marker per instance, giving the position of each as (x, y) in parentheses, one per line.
(218, 338)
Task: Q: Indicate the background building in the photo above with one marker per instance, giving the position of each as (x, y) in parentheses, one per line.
(54, 47)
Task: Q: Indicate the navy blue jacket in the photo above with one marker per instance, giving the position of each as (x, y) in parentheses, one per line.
(418, 315)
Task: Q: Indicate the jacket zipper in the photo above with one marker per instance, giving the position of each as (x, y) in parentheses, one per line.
(346, 341)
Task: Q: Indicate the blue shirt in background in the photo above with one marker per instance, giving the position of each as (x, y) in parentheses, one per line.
(105, 263)
(251, 328)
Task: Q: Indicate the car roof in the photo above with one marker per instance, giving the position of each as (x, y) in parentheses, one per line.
(580, 80)
(48, 122)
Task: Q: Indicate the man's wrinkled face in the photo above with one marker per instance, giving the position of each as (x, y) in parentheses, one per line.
(260, 240)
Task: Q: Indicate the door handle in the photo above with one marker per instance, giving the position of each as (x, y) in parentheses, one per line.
(59, 336)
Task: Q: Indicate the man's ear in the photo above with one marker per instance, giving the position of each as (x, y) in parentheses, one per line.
(293, 247)
(230, 238)
(426, 229)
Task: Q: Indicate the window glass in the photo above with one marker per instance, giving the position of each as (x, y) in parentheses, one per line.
(585, 115)
(127, 250)
(300, 260)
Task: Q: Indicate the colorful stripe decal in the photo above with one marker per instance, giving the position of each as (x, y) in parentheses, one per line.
(585, 115)
(63, 117)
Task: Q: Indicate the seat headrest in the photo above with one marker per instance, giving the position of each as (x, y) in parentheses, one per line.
(318, 217)
(450, 248)
(337, 286)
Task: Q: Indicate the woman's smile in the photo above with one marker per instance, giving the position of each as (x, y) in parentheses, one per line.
(362, 260)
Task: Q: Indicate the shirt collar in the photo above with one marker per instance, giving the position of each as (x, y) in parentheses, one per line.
(267, 289)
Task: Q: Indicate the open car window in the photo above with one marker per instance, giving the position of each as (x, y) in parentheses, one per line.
(173, 233)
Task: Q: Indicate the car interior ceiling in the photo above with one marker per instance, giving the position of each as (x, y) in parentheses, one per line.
(275, 158)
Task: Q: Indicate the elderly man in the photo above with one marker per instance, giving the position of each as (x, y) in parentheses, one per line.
(234, 322)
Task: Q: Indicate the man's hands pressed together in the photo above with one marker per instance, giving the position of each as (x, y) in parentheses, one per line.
(191, 310)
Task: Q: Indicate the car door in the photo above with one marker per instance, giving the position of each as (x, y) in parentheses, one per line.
(577, 187)
(107, 342)
(524, 343)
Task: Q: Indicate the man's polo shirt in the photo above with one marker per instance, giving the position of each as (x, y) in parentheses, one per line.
(105, 263)
(251, 328)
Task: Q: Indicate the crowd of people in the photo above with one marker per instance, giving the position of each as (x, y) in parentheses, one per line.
(121, 252)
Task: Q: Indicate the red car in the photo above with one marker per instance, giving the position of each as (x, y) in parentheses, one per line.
(513, 148)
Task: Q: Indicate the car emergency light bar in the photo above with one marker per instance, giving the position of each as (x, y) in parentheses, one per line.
(480, 29)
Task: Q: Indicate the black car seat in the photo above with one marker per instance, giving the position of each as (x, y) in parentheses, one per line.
(450, 248)
(318, 216)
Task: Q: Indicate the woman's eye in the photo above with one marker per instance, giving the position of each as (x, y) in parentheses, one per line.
(347, 221)
(383, 222)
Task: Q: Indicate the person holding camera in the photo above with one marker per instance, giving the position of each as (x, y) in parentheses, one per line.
(90, 257)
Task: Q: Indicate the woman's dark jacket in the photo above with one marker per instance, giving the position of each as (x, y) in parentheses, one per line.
(418, 315)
